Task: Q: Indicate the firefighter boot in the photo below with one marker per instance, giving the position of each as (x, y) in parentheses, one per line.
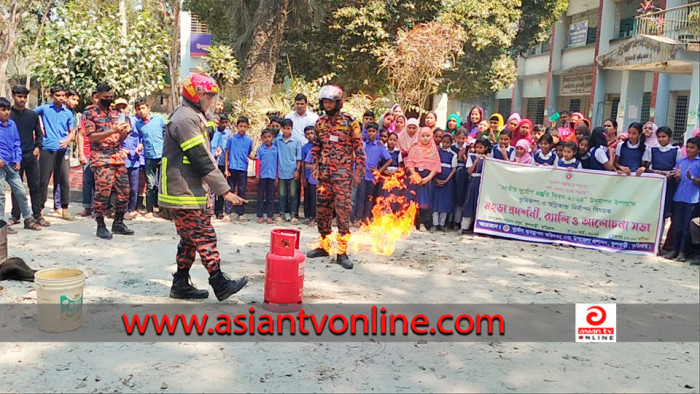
(183, 289)
(102, 231)
(118, 227)
(223, 286)
(344, 261)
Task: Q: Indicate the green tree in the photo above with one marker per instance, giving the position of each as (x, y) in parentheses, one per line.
(167, 15)
(82, 46)
(221, 64)
(413, 75)
(254, 29)
(327, 36)
(16, 16)
(350, 36)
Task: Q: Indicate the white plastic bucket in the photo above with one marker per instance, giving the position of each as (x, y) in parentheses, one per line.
(59, 295)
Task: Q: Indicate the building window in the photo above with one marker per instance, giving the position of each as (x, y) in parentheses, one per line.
(646, 104)
(615, 104)
(625, 11)
(592, 32)
(535, 110)
(197, 27)
(626, 27)
(582, 28)
(544, 47)
(680, 117)
(575, 105)
(540, 49)
(504, 106)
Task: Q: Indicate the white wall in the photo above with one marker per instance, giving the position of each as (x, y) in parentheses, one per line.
(505, 94)
(535, 65)
(187, 62)
(680, 82)
(614, 80)
(577, 57)
(535, 87)
(578, 6)
(648, 82)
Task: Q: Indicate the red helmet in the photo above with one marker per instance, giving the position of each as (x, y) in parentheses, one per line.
(196, 85)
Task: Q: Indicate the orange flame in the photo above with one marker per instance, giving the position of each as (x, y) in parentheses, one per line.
(416, 178)
(392, 220)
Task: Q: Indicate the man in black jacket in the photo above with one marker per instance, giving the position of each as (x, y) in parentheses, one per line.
(31, 136)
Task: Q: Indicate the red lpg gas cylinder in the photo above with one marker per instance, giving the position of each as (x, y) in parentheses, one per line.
(284, 272)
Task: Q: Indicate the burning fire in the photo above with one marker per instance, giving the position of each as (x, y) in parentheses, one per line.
(392, 219)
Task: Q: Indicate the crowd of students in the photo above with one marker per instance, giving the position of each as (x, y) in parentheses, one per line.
(36, 144)
(443, 165)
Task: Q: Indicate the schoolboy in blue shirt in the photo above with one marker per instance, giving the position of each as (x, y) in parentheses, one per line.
(309, 190)
(686, 198)
(151, 128)
(218, 148)
(370, 187)
(10, 163)
(59, 129)
(289, 170)
(267, 180)
(238, 150)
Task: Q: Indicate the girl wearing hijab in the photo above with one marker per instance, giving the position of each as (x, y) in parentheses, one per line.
(396, 110)
(476, 115)
(431, 120)
(453, 123)
(475, 166)
(409, 136)
(387, 122)
(399, 124)
(496, 124)
(522, 132)
(650, 129)
(522, 152)
(512, 123)
(568, 133)
(422, 163)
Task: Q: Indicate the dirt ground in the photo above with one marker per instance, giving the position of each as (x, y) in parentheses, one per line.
(426, 268)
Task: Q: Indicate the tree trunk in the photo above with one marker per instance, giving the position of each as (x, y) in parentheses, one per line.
(261, 62)
(174, 58)
(123, 23)
(4, 91)
(9, 37)
(44, 19)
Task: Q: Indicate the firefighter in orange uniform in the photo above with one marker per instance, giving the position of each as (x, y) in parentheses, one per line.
(337, 147)
(188, 171)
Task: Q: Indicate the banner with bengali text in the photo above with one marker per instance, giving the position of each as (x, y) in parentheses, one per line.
(591, 209)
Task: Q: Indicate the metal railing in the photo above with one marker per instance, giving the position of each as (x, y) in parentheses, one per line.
(679, 23)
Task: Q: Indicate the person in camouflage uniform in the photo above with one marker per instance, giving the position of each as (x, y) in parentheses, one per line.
(188, 172)
(106, 132)
(337, 146)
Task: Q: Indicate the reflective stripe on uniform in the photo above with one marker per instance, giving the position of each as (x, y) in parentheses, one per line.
(185, 160)
(192, 142)
(182, 200)
(164, 175)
